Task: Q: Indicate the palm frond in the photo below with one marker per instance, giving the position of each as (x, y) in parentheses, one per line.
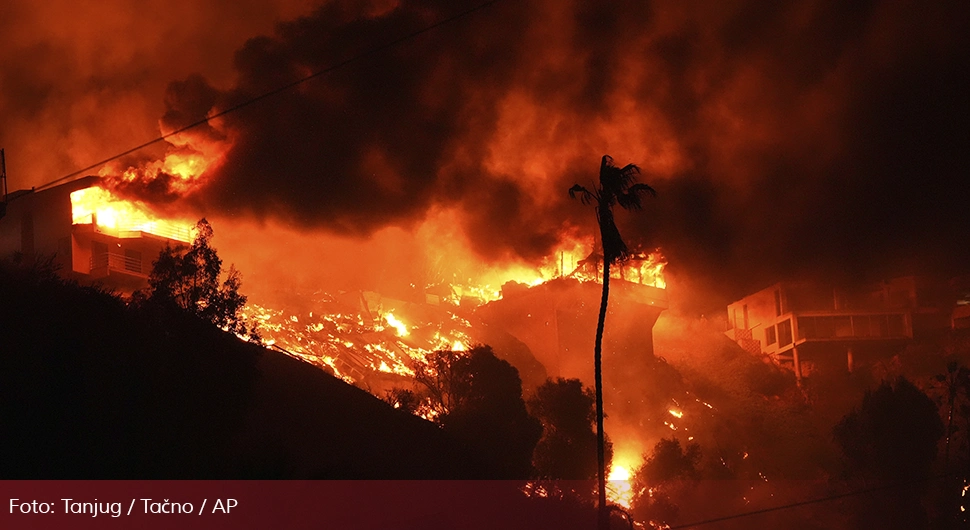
(614, 181)
(630, 199)
(628, 174)
(586, 195)
(617, 186)
(644, 188)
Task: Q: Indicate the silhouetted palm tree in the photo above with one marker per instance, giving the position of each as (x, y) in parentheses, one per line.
(617, 186)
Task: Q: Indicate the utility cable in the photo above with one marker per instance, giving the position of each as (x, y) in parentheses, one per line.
(277, 90)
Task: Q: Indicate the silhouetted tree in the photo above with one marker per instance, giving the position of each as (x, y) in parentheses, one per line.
(669, 461)
(893, 435)
(477, 397)
(446, 378)
(665, 473)
(189, 278)
(567, 447)
(617, 186)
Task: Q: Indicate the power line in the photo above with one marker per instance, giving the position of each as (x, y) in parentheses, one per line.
(804, 503)
(277, 90)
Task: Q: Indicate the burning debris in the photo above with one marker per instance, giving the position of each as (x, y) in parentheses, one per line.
(355, 336)
(361, 333)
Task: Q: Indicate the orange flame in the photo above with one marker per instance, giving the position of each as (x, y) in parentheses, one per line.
(619, 489)
(400, 327)
(99, 207)
(574, 258)
(183, 168)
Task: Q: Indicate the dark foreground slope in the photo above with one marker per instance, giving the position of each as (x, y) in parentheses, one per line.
(90, 388)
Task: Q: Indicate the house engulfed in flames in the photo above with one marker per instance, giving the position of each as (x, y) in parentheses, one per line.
(90, 235)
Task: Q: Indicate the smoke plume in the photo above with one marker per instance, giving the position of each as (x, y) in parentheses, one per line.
(783, 138)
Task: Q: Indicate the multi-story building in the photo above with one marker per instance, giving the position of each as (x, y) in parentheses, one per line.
(809, 327)
(90, 236)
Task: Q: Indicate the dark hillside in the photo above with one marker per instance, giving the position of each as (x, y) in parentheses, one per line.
(90, 388)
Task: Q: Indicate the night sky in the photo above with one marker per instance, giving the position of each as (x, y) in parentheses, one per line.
(785, 139)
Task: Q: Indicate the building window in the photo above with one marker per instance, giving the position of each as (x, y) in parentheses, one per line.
(744, 309)
(770, 337)
(784, 333)
(777, 303)
(807, 328)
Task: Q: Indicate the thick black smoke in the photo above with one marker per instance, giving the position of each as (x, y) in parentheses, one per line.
(784, 139)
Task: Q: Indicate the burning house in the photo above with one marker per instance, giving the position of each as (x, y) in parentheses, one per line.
(557, 320)
(90, 235)
(810, 327)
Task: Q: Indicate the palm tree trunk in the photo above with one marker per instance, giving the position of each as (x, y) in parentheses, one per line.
(604, 514)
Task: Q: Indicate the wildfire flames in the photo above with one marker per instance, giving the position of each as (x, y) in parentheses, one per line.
(346, 334)
(619, 489)
(363, 337)
(354, 334)
(392, 178)
(182, 170)
(402, 329)
(99, 207)
(360, 336)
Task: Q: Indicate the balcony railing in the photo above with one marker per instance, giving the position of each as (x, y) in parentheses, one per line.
(118, 262)
(165, 229)
(161, 229)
